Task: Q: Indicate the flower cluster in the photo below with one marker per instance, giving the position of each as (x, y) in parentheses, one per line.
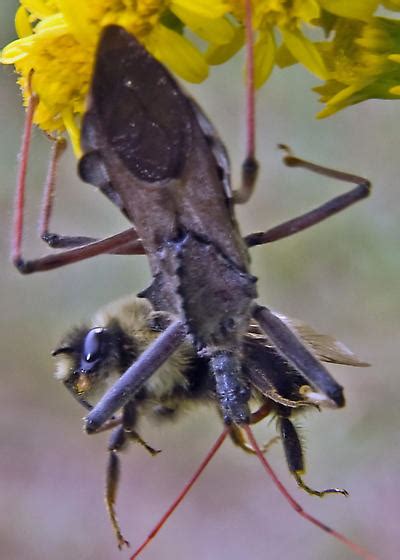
(342, 42)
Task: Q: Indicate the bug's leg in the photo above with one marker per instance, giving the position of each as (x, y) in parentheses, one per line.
(295, 458)
(333, 206)
(250, 164)
(125, 242)
(182, 494)
(354, 547)
(55, 240)
(136, 375)
(292, 349)
(121, 243)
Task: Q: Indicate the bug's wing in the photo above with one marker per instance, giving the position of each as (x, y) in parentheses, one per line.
(135, 108)
(325, 347)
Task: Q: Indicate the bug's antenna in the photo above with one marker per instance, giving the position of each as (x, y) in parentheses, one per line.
(183, 493)
(357, 549)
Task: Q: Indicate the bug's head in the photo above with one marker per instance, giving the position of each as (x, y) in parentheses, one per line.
(90, 360)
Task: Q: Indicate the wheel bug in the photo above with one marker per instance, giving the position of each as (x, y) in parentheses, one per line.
(157, 157)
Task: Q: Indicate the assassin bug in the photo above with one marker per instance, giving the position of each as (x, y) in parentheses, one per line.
(156, 156)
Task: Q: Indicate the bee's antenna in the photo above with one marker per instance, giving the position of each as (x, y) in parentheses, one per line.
(183, 493)
(357, 549)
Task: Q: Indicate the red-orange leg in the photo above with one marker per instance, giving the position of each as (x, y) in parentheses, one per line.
(183, 493)
(250, 164)
(357, 549)
(126, 242)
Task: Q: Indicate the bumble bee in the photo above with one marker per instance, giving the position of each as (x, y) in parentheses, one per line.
(92, 357)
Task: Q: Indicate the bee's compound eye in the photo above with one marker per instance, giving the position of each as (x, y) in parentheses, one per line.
(93, 346)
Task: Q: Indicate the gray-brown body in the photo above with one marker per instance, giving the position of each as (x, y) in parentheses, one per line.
(155, 154)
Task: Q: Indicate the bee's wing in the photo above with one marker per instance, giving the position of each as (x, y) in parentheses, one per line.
(325, 347)
(270, 373)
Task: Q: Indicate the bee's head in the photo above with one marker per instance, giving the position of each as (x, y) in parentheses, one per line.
(89, 361)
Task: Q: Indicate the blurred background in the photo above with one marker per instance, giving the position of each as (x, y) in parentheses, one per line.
(341, 277)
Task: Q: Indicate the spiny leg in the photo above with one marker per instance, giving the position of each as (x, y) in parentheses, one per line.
(313, 217)
(357, 549)
(295, 458)
(250, 164)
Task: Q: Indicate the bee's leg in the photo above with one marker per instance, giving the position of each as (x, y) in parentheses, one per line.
(238, 437)
(320, 213)
(250, 164)
(117, 441)
(129, 418)
(291, 348)
(295, 458)
(136, 375)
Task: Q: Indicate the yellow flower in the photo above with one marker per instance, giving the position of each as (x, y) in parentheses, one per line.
(362, 63)
(340, 41)
(278, 24)
(58, 41)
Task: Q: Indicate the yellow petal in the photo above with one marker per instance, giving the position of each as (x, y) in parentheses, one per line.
(52, 26)
(22, 24)
(180, 55)
(216, 31)
(353, 9)
(78, 20)
(218, 54)
(264, 57)
(73, 131)
(204, 8)
(305, 52)
(395, 90)
(15, 51)
(39, 8)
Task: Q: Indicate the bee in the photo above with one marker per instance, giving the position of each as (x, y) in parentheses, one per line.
(197, 335)
(92, 357)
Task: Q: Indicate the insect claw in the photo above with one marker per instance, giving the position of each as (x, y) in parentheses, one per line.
(122, 542)
(318, 493)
